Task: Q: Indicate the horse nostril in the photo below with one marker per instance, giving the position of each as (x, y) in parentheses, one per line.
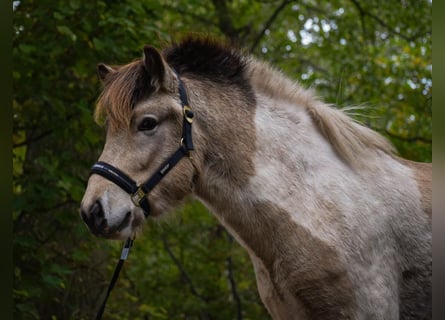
(96, 210)
(94, 217)
(98, 216)
(84, 215)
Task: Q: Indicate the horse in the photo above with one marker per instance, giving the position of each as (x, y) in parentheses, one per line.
(337, 226)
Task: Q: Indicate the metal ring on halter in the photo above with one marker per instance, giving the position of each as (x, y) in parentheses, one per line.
(188, 114)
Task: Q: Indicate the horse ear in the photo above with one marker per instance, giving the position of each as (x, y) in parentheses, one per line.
(161, 74)
(103, 70)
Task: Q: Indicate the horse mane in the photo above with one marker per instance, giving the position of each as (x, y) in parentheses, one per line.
(207, 58)
(350, 139)
(212, 60)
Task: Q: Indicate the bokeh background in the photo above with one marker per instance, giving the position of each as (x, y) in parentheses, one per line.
(373, 54)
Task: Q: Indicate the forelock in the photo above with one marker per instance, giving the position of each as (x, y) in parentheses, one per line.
(122, 90)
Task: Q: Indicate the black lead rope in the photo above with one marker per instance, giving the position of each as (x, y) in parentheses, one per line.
(117, 270)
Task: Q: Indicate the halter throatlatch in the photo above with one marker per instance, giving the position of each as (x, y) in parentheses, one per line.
(138, 193)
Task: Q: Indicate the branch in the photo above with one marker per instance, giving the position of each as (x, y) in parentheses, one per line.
(383, 23)
(307, 62)
(268, 23)
(32, 139)
(24, 213)
(229, 263)
(185, 276)
(191, 14)
(408, 139)
(362, 17)
(225, 19)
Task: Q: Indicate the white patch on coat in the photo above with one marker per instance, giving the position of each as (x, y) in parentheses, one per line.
(298, 170)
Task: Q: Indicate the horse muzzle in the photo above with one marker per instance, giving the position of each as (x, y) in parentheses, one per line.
(99, 225)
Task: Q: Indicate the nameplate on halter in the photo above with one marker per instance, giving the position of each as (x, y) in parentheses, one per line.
(163, 170)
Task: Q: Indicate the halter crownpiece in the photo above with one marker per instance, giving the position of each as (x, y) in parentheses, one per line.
(138, 193)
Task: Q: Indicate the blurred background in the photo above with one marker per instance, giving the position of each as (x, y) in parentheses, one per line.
(373, 54)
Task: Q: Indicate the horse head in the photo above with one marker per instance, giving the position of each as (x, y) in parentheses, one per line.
(144, 113)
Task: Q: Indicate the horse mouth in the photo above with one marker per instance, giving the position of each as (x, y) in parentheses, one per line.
(102, 229)
(117, 228)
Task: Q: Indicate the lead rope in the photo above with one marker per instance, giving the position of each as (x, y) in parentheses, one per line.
(117, 270)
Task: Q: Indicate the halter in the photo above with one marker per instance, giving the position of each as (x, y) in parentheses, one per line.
(138, 193)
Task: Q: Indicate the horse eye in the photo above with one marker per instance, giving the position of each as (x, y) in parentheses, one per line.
(148, 124)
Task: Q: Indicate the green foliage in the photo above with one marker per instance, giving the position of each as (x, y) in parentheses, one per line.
(353, 52)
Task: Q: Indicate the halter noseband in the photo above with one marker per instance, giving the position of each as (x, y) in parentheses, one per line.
(138, 193)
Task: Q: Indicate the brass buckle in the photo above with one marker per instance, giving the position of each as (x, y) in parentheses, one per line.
(189, 152)
(137, 197)
(188, 114)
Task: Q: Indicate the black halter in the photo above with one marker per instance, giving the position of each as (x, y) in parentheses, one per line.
(138, 193)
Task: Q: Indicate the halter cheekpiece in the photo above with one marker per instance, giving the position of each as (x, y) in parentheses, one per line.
(138, 193)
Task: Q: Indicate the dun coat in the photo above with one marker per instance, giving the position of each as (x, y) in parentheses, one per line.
(336, 225)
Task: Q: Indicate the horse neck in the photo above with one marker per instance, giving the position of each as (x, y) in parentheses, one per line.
(224, 135)
(256, 161)
(274, 179)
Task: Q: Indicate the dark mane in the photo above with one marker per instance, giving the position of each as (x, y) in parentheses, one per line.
(209, 59)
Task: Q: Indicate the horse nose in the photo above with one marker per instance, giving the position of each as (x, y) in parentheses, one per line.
(94, 217)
